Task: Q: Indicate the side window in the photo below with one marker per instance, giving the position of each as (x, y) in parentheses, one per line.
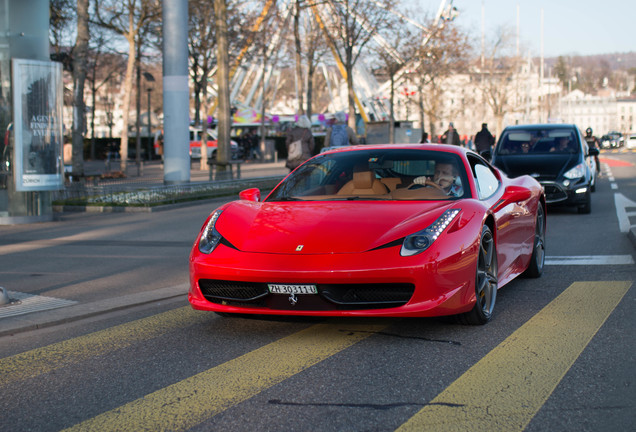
(486, 180)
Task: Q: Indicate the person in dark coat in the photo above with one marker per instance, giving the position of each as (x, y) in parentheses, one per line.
(484, 140)
(450, 136)
(300, 143)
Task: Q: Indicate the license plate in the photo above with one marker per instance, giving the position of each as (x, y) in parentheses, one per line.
(292, 289)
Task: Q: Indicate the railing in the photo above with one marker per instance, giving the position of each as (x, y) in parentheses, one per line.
(146, 195)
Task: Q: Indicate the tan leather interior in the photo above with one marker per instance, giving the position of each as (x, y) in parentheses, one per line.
(391, 182)
(363, 183)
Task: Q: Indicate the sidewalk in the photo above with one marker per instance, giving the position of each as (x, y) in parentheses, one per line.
(153, 171)
(85, 265)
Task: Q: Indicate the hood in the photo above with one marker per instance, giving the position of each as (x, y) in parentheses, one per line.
(323, 227)
(543, 166)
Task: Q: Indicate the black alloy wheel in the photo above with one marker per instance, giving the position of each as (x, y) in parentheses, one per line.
(537, 261)
(485, 282)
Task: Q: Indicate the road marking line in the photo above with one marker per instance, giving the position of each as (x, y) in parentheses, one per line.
(32, 303)
(32, 363)
(189, 402)
(621, 202)
(507, 387)
(590, 260)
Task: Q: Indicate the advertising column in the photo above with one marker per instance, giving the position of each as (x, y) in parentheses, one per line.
(38, 128)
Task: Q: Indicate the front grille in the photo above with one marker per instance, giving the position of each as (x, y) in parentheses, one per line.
(231, 292)
(554, 193)
(330, 296)
(368, 294)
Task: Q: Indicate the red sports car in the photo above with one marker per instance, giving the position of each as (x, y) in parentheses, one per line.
(374, 230)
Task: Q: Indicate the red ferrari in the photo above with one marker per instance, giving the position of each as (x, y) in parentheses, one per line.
(375, 230)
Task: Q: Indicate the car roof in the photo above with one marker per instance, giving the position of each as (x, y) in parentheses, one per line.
(446, 148)
(541, 126)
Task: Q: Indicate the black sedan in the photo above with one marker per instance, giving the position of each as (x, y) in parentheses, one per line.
(557, 155)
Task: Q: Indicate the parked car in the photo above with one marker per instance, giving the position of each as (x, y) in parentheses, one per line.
(375, 230)
(631, 142)
(612, 140)
(557, 155)
(211, 143)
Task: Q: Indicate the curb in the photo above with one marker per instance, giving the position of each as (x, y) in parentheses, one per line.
(63, 315)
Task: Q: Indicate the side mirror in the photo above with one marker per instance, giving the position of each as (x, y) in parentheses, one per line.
(252, 194)
(513, 194)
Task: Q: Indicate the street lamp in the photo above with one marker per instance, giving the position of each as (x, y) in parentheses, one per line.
(149, 79)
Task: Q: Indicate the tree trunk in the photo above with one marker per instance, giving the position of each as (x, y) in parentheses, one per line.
(128, 81)
(138, 161)
(223, 74)
(79, 77)
(392, 111)
(204, 125)
(299, 67)
(310, 88)
(350, 92)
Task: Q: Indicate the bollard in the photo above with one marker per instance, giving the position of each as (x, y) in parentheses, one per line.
(4, 296)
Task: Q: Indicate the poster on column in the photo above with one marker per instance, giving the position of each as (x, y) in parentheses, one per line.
(38, 127)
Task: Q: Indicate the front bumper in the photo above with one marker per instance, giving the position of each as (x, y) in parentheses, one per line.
(373, 283)
(557, 193)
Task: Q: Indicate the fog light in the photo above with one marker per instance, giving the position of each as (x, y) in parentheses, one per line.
(566, 183)
(580, 190)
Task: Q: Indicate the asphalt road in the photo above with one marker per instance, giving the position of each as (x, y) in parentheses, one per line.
(558, 354)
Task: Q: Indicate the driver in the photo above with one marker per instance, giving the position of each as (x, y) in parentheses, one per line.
(444, 178)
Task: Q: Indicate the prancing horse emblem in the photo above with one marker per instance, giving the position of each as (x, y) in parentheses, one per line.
(293, 299)
(299, 248)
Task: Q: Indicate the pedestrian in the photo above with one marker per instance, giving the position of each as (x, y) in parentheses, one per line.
(450, 136)
(425, 138)
(250, 142)
(340, 134)
(300, 143)
(592, 142)
(484, 141)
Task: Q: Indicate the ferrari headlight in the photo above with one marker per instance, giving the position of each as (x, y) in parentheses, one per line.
(420, 241)
(210, 237)
(576, 172)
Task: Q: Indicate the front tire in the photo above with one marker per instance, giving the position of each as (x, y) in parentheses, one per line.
(586, 207)
(485, 282)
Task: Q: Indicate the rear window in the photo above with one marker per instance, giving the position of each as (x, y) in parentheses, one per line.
(538, 141)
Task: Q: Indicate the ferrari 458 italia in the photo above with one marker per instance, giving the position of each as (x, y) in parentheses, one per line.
(375, 230)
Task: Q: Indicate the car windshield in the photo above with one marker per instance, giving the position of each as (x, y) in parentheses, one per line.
(538, 141)
(376, 174)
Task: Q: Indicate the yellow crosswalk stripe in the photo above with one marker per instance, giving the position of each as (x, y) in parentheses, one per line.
(200, 397)
(42, 360)
(506, 388)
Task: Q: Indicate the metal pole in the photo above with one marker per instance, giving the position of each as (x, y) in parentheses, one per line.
(176, 167)
(150, 143)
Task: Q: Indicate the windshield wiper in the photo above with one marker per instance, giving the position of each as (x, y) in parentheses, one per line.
(287, 198)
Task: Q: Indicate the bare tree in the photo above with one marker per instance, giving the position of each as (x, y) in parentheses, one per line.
(397, 44)
(445, 54)
(79, 77)
(309, 48)
(201, 46)
(61, 16)
(102, 67)
(500, 77)
(350, 25)
(126, 18)
(223, 83)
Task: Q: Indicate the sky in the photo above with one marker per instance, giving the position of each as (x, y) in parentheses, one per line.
(571, 27)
